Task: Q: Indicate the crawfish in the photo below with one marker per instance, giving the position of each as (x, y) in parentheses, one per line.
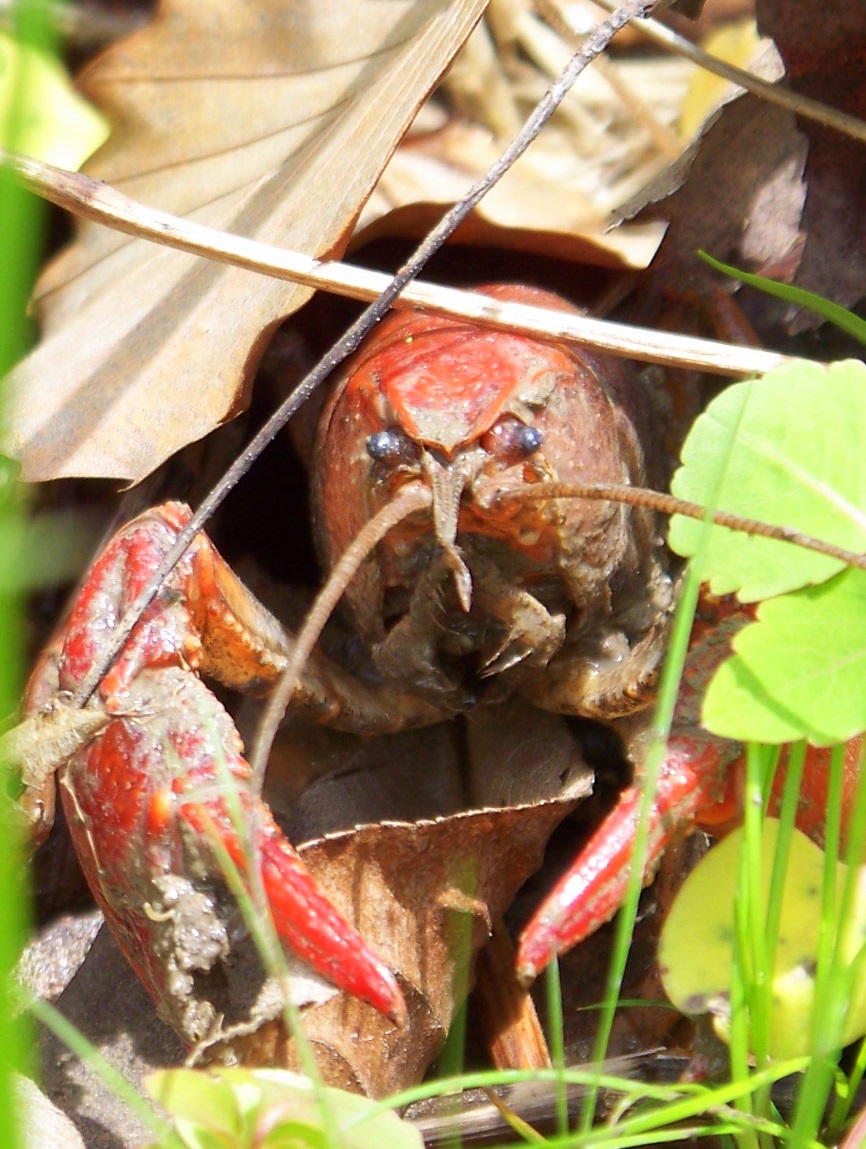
(564, 602)
(469, 600)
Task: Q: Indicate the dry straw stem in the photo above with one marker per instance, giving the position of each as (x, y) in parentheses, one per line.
(773, 93)
(98, 201)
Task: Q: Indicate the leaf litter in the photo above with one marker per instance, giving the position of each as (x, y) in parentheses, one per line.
(146, 349)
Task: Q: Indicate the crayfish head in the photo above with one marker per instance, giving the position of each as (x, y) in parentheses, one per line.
(479, 587)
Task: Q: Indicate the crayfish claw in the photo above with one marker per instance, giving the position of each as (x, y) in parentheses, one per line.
(144, 789)
(310, 925)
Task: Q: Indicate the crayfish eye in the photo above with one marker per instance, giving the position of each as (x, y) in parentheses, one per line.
(512, 439)
(391, 446)
(528, 439)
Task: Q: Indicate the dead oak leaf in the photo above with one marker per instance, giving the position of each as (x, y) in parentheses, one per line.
(424, 893)
(737, 190)
(538, 205)
(823, 45)
(262, 118)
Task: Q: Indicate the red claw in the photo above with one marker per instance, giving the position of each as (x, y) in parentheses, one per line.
(696, 781)
(692, 777)
(146, 796)
(339, 953)
(699, 784)
(303, 917)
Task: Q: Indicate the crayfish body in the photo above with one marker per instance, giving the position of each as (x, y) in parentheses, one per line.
(473, 599)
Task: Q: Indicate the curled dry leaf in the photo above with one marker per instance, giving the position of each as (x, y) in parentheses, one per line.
(747, 208)
(261, 118)
(537, 206)
(423, 892)
(822, 45)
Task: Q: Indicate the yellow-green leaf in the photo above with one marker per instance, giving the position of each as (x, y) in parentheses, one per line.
(697, 943)
(42, 114)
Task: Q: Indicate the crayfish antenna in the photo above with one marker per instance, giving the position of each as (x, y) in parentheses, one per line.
(412, 498)
(671, 505)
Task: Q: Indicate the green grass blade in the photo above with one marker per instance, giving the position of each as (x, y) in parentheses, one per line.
(845, 320)
(22, 217)
(556, 1040)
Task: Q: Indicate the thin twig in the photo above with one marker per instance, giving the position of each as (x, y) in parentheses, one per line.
(773, 93)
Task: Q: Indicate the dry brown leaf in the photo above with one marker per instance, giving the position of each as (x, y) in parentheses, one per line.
(424, 893)
(742, 196)
(538, 205)
(557, 198)
(823, 46)
(511, 759)
(265, 119)
(425, 896)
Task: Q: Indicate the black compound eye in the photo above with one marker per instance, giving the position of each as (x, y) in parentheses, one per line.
(528, 439)
(391, 446)
(512, 439)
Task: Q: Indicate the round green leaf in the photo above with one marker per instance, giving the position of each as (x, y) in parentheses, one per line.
(788, 450)
(697, 943)
(798, 672)
(271, 1109)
